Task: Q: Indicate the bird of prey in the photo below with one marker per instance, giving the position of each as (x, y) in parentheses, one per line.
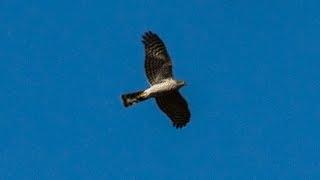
(163, 87)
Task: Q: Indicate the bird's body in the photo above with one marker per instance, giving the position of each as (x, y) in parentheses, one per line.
(156, 90)
(163, 87)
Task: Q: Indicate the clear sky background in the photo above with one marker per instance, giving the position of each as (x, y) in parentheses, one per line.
(252, 69)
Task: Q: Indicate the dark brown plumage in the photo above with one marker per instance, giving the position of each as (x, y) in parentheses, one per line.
(157, 63)
(175, 107)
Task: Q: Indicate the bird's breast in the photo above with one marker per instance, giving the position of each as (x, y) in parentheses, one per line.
(161, 88)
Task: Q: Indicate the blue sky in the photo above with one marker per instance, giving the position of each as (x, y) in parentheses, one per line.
(252, 69)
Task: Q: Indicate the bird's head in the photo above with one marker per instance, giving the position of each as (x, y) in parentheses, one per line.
(181, 83)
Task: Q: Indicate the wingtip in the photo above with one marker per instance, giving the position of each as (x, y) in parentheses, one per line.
(149, 34)
(179, 126)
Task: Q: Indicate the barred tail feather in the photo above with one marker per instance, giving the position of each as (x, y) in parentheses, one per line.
(132, 98)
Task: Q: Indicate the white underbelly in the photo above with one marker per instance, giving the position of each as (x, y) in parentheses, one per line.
(160, 88)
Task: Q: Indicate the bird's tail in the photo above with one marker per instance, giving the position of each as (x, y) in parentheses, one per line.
(132, 98)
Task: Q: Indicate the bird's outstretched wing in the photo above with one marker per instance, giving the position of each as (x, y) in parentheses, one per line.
(158, 65)
(175, 107)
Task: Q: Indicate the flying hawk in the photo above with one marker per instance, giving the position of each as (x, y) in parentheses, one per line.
(163, 87)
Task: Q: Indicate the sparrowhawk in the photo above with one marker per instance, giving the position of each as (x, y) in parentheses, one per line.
(163, 87)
